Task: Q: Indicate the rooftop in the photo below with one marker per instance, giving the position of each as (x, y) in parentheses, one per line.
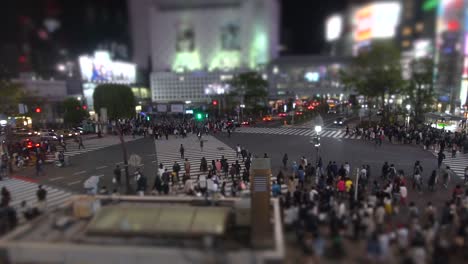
(141, 229)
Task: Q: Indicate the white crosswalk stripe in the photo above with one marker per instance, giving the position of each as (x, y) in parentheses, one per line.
(213, 149)
(290, 131)
(93, 145)
(26, 191)
(457, 164)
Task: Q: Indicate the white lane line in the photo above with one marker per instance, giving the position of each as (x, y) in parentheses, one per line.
(101, 167)
(56, 179)
(79, 172)
(73, 183)
(118, 163)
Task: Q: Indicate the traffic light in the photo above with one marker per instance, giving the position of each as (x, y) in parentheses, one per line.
(38, 110)
(199, 116)
(215, 102)
(147, 118)
(85, 107)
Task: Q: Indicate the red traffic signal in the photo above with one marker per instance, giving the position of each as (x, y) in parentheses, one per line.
(38, 110)
(85, 107)
(215, 102)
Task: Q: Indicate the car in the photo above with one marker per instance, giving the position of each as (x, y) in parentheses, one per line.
(28, 143)
(49, 136)
(267, 118)
(310, 107)
(245, 123)
(67, 133)
(299, 113)
(23, 132)
(339, 121)
(332, 111)
(282, 114)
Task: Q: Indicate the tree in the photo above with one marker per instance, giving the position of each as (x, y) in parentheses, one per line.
(118, 99)
(420, 87)
(73, 111)
(375, 73)
(252, 90)
(11, 94)
(120, 104)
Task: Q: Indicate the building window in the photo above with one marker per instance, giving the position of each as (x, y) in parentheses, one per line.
(406, 31)
(405, 43)
(419, 27)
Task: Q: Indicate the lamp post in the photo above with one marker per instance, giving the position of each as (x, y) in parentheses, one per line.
(408, 108)
(316, 141)
(242, 106)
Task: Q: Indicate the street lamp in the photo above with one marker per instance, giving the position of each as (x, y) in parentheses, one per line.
(318, 129)
(408, 107)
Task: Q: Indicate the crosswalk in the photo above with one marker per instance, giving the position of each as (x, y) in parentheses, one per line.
(289, 131)
(213, 149)
(22, 190)
(93, 145)
(457, 164)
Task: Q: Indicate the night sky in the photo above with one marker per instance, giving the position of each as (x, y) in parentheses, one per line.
(302, 21)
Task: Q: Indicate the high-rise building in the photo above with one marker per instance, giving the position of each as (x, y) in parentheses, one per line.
(211, 38)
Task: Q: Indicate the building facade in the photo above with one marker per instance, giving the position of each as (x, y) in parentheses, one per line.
(306, 77)
(201, 41)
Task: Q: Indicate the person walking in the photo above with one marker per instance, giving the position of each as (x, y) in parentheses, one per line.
(175, 173)
(238, 151)
(182, 151)
(432, 181)
(41, 195)
(285, 160)
(201, 145)
(440, 158)
(117, 176)
(465, 179)
(141, 183)
(203, 165)
(187, 168)
(80, 143)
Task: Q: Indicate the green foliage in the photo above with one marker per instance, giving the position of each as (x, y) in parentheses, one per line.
(11, 94)
(375, 73)
(420, 88)
(251, 88)
(118, 99)
(73, 112)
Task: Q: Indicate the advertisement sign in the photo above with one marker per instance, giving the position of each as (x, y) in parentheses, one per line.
(334, 27)
(101, 68)
(177, 108)
(161, 108)
(377, 20)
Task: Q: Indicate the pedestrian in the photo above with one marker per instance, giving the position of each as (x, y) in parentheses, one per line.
(175, 173)
(158, 184)
(187, 168)
(238, 151)
(201, 145)
(285, 160)
(182, 150)
(432, 180)
(165, 179)
(80, 143)
(117, 176)
(39, 166)
(41, 195)
(203, 165)
(141, 183)
(440, 158)
(465, 179)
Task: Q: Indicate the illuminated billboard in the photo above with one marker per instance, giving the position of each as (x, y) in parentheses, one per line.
(334, 27)
(101, 69)
(377, 20)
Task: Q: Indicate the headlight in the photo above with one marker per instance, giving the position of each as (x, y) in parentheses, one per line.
(54, 137)
(341, 122)
(70, 135)
(335, 122)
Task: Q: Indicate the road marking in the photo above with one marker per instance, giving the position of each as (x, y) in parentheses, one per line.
(100, 168)
(118, 163)
(79, 172)
(73, 183)
(55, 179)
(102, 175)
